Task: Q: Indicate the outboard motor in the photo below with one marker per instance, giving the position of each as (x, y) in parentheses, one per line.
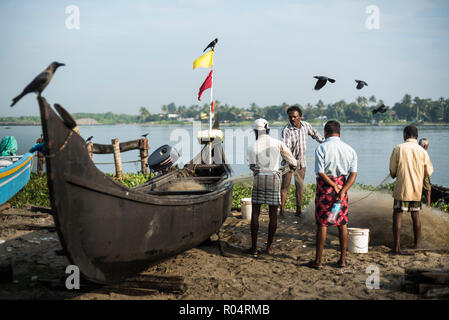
(163, 158)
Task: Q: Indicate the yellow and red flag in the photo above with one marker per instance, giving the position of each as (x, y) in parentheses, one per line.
(205, 61)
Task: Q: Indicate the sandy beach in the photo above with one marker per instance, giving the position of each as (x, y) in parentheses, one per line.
(212, 273)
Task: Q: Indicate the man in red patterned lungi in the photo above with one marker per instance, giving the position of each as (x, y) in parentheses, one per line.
(336, 170)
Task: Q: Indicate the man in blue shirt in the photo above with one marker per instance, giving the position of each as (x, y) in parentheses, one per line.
(334, 162)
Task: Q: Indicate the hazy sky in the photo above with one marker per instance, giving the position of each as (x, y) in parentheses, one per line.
(129, 54)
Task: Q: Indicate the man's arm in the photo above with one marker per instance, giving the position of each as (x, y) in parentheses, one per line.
(315, 134)
(394, 162)
(287, 155)
(347, 185)
(428, 167)
(326, 179)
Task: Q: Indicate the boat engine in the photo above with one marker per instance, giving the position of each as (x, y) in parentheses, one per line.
(163, 158)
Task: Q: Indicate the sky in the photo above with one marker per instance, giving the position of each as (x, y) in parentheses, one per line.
(131, 54)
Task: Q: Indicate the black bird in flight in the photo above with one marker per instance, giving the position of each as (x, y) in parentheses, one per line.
(322, 81)
(40, 82)
(90, 138)
(381, 109)
(211, 45)
(145, 135)
(360, 84)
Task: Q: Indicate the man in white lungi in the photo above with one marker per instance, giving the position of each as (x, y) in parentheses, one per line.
(263, 159)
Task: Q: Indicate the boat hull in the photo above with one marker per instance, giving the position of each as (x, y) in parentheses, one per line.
(111, 232)
(14, 177)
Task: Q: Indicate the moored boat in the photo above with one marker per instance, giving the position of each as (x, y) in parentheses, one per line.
(111, 232)
(15, 175)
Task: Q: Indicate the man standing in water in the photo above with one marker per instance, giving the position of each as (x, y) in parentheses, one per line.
(294, 135)
(263, 159)
(336, 171)
(409, 164)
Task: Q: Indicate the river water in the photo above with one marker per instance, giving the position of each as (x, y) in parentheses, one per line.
(372, 144)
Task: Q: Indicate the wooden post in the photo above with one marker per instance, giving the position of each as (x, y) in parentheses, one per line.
(90, 150)
(143, 146)
(40, 160)
(117, 158)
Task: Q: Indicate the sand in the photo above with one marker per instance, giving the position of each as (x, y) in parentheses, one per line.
(210, 275)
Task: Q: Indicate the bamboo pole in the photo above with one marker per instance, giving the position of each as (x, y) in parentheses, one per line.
(90, 150)
(40, 160)
(144, 147)
(117, 158)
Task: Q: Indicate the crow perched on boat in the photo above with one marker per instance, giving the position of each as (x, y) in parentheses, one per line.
(381, 109)
(145, 135)
(40, 82)
(211, 45)
(322, 81)
(88, 139)
(360, 84)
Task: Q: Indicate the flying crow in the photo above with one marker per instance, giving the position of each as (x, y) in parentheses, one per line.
(381, 109)
(322, 81)
(360, 84)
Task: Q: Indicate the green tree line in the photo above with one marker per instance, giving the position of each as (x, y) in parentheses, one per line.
(360, 110)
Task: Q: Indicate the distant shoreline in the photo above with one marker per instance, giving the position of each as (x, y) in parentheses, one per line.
(234, 124)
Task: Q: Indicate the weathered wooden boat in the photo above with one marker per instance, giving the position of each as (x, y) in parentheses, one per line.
(14, 176)
(439, 194)
(112, 232)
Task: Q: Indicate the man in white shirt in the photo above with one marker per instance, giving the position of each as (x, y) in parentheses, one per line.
(263, 159)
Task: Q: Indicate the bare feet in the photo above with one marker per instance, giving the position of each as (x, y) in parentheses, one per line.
(251, 251)
(298, 213)
(341, 263)
(281, 215)
(270, 250)
(313, 264)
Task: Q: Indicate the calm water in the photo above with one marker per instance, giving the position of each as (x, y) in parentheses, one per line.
(372, 144)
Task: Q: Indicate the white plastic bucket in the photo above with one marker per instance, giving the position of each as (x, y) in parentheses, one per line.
(246, 208)
(358, 240)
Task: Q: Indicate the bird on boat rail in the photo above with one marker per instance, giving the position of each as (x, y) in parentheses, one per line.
(40, 82)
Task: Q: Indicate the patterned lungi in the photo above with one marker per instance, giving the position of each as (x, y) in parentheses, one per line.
(266, 189)
(325, 199)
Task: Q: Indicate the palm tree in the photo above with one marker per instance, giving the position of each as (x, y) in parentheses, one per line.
(143, 113)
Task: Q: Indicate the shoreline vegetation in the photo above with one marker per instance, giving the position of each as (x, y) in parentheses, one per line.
(36, 192)
(416, 110)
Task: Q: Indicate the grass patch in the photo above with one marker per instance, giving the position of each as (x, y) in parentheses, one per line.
(36, 192)
(241, 191)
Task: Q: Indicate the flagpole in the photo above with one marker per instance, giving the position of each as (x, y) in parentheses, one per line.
(210, 110)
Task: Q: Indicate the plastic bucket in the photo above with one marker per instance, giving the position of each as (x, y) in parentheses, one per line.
(358, 240)
(246, 208)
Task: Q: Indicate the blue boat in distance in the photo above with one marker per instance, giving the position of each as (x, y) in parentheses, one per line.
(15, 176)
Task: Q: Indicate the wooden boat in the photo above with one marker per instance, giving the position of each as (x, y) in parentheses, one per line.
(15, 176)
(439, 194)
(112, 232)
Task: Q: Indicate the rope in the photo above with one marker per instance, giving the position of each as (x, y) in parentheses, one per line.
(131, 161)
(62, 147)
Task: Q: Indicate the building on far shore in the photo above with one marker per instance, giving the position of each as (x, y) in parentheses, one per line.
(86, 121)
